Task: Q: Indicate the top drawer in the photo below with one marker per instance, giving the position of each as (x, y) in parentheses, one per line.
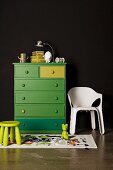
(26, 71)
(52, 72)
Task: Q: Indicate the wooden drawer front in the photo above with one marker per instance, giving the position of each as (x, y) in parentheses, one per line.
(40, 124)
(52, 71)
(39, 110)
(40, 97)
(39, 84)
(26, 71)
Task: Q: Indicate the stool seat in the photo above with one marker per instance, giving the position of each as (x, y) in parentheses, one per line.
(13, 126)
(9, 123)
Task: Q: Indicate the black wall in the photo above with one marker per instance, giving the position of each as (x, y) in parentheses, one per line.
(79, 30)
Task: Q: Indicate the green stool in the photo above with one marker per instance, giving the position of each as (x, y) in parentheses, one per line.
(13, 126)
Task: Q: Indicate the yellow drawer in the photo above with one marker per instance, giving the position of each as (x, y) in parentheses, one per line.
(52, 72)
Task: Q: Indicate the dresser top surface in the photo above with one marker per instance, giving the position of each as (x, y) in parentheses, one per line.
(48, 64)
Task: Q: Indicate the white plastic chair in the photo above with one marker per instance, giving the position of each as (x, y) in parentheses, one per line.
(81, 99)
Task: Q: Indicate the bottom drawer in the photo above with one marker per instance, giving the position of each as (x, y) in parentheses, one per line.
(41, 125)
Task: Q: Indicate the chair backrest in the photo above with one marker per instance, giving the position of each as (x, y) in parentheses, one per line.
(83, 97)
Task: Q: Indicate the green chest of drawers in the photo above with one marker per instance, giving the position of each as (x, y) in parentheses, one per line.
(40, 97)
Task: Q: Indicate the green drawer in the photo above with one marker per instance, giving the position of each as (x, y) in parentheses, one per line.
(40, 125)
(39, 84)
(39, 110)
(40, 97)
(26, 71)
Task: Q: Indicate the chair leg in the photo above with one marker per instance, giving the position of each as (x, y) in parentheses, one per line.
(1, 134)
(92, 112)
(73, 121)
(101, 121)
(17, 136)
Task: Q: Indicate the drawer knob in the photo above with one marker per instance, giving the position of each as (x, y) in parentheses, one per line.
(23, 85)
(23, 98)
(56, 85)
(53, 72)
(56, 124)
(56, 111)
(23, 111)
(26, 71)
(56, 98)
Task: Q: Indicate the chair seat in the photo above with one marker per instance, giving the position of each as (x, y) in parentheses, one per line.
(86, 108)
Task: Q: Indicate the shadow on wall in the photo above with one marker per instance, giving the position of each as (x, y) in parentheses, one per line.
(71, 81)
(108, 110)
(71, 76)
(6, 82)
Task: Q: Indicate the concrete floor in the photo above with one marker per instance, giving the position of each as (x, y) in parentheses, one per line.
(62, 159)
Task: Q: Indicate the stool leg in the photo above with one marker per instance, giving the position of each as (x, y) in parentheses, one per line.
(5, 137)
(1, 134)
(17, 135)
(12, 134)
